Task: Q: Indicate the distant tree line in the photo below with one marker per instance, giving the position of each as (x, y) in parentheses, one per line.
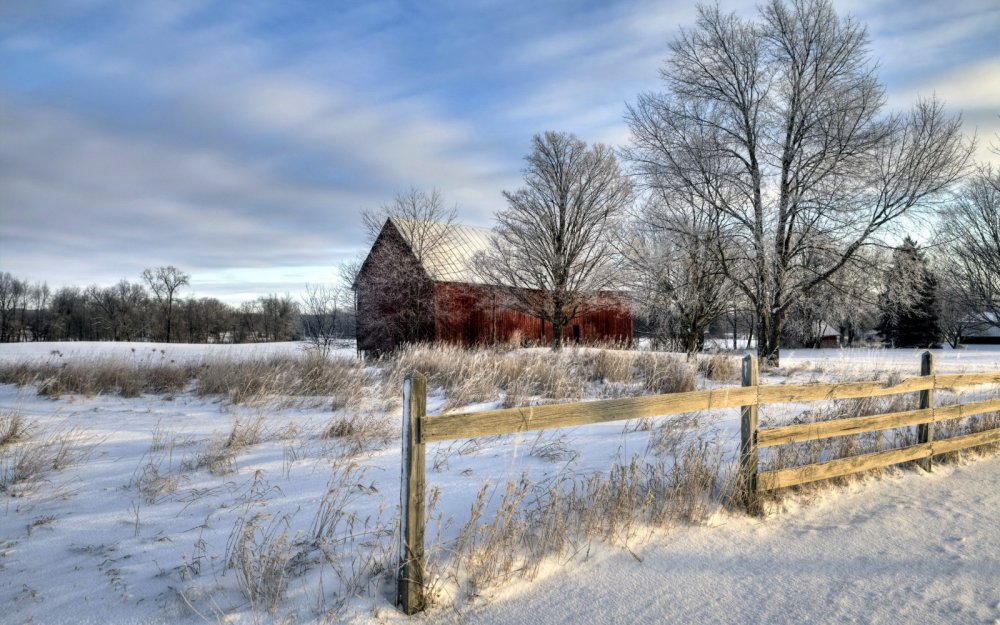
(154, 309)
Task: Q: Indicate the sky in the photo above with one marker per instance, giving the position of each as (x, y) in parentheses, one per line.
(240, 141)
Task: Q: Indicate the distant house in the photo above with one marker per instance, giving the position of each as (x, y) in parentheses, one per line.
(441, 297)
(829, 336)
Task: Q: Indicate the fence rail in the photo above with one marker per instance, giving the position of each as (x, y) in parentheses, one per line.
(420, 429)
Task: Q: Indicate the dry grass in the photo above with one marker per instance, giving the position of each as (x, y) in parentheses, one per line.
(614, 366)
(154, 479)
(310, 374)
(13, 427)
(720, 368)
(536, 376)
(664, 373)
(358, 550)
(24, 464)
(361, 432)
(258, 552)
(517, 378)
(100, 376)
(511, 531)
(219, 455)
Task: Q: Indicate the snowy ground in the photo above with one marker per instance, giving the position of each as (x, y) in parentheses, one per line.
(912, 548)
(138, 528)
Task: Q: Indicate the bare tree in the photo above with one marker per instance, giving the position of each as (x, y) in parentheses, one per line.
(12, 292)
(119, 310)
(277, 315)
(972, 226)
(776, 125)
(324, 313)
(419, 216)
(393, 292)
(959, 316)
(164, 282)
(553, 250)
(847, 303)
(676, 282)
(39, 294)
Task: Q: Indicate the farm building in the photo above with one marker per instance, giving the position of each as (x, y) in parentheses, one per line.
(419, 283)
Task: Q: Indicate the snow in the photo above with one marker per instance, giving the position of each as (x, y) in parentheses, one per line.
(150, 353)
(83, 545)
(913, 548)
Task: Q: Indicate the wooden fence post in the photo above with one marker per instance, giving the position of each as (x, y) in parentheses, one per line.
(925, 431)
(748, 439)
(410, 577)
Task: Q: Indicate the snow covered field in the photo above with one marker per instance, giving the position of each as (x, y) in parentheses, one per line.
(177, 509)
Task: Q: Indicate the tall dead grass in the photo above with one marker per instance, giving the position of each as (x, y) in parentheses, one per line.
(465, 376)
(13, 427)
(219, 454)
(26, 458)
(537, 376)
(516, 527)
(100, 376)
(260, 380)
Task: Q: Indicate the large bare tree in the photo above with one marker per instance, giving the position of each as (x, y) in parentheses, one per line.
(553, 249)
(164, 282)
(776, 125)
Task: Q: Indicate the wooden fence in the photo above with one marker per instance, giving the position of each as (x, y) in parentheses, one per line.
(420, 429)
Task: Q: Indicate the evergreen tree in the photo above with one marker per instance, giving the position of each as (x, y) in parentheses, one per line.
(909, 306)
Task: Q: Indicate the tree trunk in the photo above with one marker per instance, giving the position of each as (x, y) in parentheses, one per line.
(769, 338)
(557, 332)
(692, 345)
(169, 315)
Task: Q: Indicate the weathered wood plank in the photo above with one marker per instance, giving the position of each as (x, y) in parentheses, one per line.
(509, 420)
(491, 422)
(958, 380)
(839, 427)
(958, 411)
(784, 393)
(410, 577)
(784, 478)
(857, 425)
(946, 445)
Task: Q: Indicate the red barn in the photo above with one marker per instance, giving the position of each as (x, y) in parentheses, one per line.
(419, 283)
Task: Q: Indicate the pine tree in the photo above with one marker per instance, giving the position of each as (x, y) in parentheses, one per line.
(909, 306)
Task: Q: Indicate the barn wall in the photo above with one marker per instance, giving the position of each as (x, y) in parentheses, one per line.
(475, 315)
(395, 297)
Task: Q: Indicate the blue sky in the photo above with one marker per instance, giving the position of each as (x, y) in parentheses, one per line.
(240, 140)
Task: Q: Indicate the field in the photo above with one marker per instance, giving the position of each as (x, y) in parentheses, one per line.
(151, 483)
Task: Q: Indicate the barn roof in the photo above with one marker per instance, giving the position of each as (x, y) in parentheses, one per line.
(450, 257)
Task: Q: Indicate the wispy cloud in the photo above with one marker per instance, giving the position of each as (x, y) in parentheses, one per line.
(241, 140)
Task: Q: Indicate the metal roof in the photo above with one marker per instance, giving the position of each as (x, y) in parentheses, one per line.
(451, 256)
